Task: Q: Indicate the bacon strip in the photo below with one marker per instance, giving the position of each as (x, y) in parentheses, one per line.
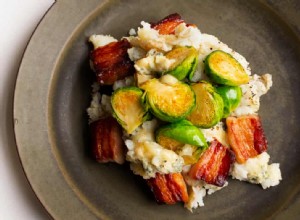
(111, 62)
(106, 141)
(246, 137)
(213, 165)
(168, 188)
(168, 24)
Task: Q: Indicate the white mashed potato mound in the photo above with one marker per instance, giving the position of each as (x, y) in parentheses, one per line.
(196, 195)
(252, 91)
(136, 53)
(100, 105)
(154, 62)
(147, 157)
(101, 40)
(148, 38)
(216, 132)
(127, 81)
(168, 79)
(186, 150)
(197, 191)
(257, 170)
(132, 32)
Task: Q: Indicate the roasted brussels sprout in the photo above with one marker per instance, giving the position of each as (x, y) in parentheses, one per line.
(183, 138)
(186, 61)
(168, 99)
(183, 132)
(168, 142)
(128, 108)
(231, 96)
(209, 106)
(222, 68)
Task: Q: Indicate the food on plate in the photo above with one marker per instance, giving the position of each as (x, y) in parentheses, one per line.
(231, 96)
(222, 68)
(183, 132)
(128, 109)
(185, 64)
(183, 138)
(168, 188)
(246, 136)
(111, 62)
(209, 105)
(168, 24)
(168, 99)
(213, 165)
(183, 111)
(106, 141)
(257, 170)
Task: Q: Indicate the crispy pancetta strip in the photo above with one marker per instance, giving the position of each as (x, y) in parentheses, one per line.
(106, 141)
(246, 136)
(168, 24)
(213, 165)
(111, 62)
(168, 188)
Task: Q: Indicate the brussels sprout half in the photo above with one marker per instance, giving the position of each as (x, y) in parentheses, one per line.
(128, 109)
(183, 132)
(186, 61)
(168, 101)
(231, 96)
(222, 68)
(209, 106)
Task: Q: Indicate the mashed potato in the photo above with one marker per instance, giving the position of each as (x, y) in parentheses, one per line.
(100, 105)
(257, 170)
(148, 38)
(252, 91)
(216, 132)
(101, 40)
(154, 62)
(197, 191)
(147, 157)
(128, 81)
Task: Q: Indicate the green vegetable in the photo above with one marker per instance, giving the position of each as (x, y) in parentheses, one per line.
(183, 132)
(168, 99)
(209, 106)
(128, 108)
(168, 142)
(222, 68)
(186, 61)
(231, 96)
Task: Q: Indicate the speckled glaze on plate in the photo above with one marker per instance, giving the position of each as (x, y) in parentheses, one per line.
(53, 91)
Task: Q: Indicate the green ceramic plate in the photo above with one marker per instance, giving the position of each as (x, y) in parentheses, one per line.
(53, 91)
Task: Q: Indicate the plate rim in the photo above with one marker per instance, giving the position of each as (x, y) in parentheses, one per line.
(54, 9)
(39, 191)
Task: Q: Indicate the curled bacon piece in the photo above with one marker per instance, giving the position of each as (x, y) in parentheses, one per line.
(106, 141)
(168, 24)
(111, 62)
(246, 137)
(213, 165)
(168, 188)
